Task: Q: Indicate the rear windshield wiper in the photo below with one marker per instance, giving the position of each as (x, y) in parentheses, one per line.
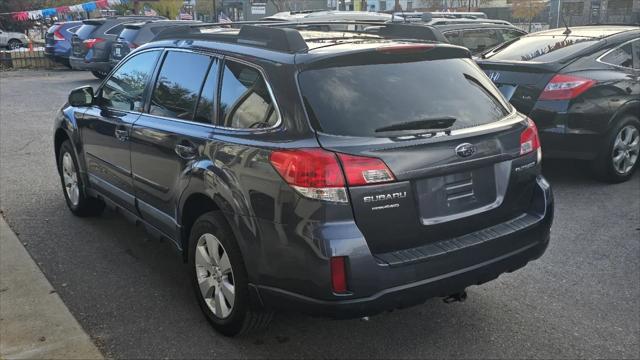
(440, 123)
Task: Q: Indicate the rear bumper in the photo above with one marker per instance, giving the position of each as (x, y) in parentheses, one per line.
(568, 132)
(81, 64)
(410, 277)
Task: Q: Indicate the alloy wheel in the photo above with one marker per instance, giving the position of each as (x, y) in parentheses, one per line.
(626, 148)
(215, 275)
(70, 176)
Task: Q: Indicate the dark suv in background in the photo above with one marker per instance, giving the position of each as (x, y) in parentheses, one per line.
(581, 86)
(134, 35)
(479, 36)
(338, 174)
(91, 43)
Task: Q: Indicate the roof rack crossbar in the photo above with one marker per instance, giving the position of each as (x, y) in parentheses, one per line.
(284, 36)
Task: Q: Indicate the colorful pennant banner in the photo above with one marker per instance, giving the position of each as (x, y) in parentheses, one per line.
(60, 10)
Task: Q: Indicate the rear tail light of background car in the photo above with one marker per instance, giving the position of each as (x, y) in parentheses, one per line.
(90, 43)
(565, 87)
(57, 35)
(133, 45)
(530, 141)
(318, 174)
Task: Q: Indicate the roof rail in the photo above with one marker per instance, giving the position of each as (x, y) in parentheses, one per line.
(285, 36)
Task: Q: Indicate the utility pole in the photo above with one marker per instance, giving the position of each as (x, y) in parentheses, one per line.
(214, 13)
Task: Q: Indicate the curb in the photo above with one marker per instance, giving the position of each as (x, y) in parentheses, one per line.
(34, 322)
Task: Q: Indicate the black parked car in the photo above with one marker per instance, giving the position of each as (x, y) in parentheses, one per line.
(479, 36)
(339, 175)
(91, 43)
(582, 88)
(137, 34)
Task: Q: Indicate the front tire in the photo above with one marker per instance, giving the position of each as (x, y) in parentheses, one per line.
(220, 279)
(14, 44)
(73, 186)
(619, 156)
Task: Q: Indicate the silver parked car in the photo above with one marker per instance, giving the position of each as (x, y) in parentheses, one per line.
(12, 40)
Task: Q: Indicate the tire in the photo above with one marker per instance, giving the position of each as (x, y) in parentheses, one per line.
(14, 44)
(99, 74)
(73, 186)
(229, 312)
(619, 156)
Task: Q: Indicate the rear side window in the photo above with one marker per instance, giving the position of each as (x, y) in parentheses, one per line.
(86, 30)
(129, 34)
(245, 101)
(620, 56)
(73, 29)
(357, 100)
(479, 39)
(115, 30)
(178, 86)
(124, 90)
(453, 37)
(205, 113)
(543, 48)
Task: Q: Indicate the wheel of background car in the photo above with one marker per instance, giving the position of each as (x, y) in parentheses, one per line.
(219, 277)
(14, 44)
(73, 186)
(620, 155)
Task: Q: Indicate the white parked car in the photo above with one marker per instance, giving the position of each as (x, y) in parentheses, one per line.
(12, 40)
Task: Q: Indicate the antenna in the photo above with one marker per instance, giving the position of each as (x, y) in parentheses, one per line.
(567, 31)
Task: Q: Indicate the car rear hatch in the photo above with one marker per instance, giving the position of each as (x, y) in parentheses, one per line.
(522, 68)
(88, 28)
(429, 141)
(125, 42)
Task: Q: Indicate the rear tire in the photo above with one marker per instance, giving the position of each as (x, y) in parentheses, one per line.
(220, 279)
(73, 186)
(619, 155)
(100, 74)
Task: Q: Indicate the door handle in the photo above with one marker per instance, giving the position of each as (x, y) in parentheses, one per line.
(122, 134)
(186, 152)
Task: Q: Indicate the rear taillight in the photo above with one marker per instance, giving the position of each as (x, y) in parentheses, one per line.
(529, 140)
(317, 174)
(565, 87)
(90, 43)
(338, 274)
(133, 45)
(314, 173)
(57, 35)
(361, 170)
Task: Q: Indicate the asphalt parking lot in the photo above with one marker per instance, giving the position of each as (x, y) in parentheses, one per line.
(132, 295)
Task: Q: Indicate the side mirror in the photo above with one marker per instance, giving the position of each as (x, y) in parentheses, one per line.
(82, 96)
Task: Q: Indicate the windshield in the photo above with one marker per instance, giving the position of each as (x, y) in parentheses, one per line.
(86, 30)
(542, 48)
(357, 100)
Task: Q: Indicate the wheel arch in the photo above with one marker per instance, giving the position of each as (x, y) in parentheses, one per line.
(629, 108)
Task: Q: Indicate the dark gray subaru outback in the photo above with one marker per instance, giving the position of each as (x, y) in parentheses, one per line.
(337, 174)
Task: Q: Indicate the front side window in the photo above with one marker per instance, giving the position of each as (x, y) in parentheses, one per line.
(620, 56)
(178, 86)
(124, 90)
(245, 101)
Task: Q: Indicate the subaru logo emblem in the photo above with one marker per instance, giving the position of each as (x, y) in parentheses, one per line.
(494, 76)
(465, 150)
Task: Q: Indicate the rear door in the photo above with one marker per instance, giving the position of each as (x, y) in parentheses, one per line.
(171, 135)
(106, 126)
(446, 182)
